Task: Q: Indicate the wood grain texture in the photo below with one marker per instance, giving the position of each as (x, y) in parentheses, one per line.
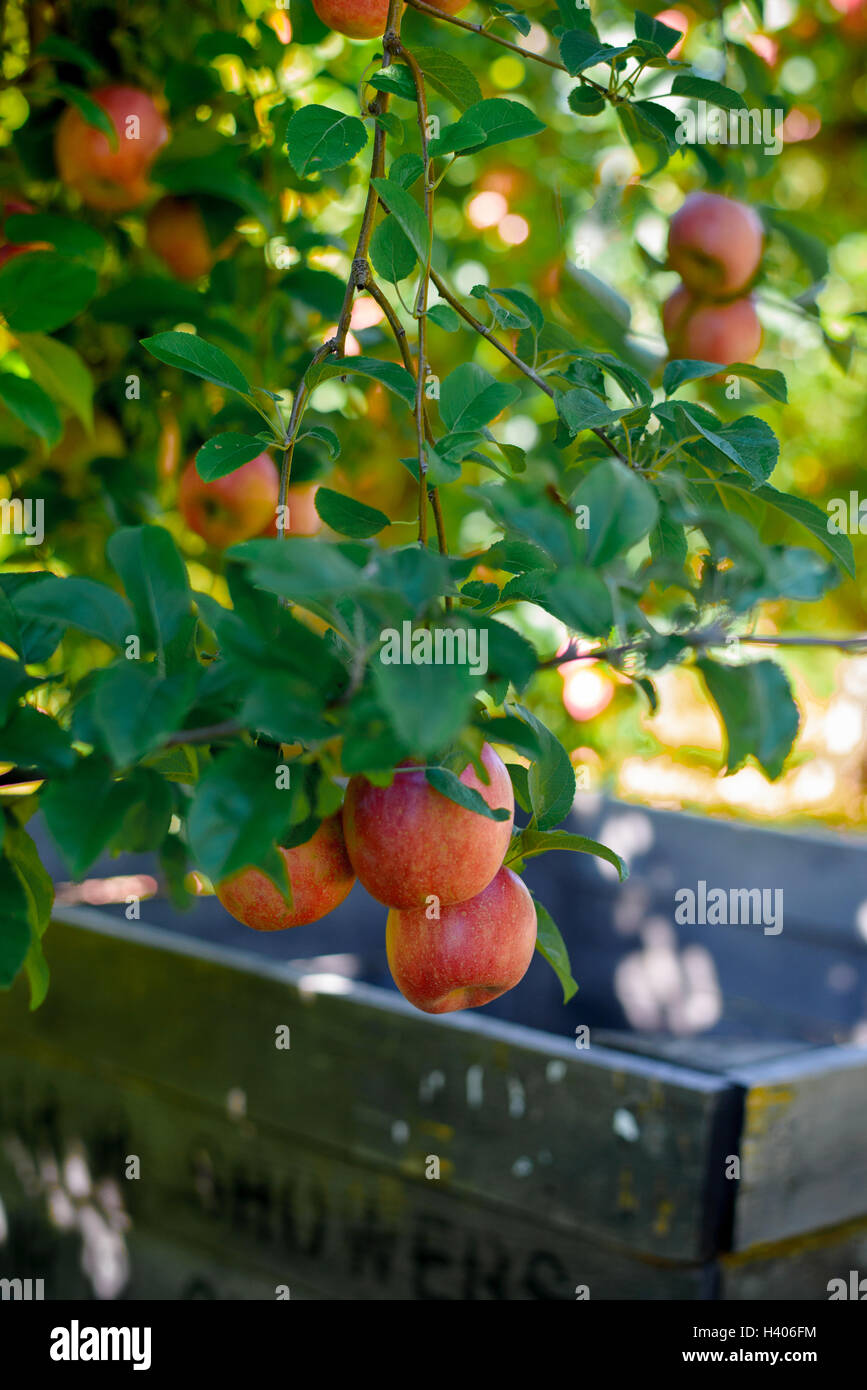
(616, 1146)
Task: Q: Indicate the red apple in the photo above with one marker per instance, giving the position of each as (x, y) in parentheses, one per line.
(320, 874)
(304, 520)
(357, 19)
(231, 509)
(715, 244)
(115, 180)
(473, 954)
(176, 232)
(711, 332)
(407, 842)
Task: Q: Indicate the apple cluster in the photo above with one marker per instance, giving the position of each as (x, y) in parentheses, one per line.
(461, 927)
(715, 244)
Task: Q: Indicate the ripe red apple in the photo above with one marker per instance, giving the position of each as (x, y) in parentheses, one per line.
(715, 244)
(407, 842)
(231, 509)
(304, 520)
(711, 332)
(320, 874)
(357, 19)
(115, 180)
(176, 232)
(473, 954)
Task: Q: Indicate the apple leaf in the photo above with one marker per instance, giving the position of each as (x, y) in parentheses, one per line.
(193, 354)
(447, 784)
(550, 944)
(224, 454)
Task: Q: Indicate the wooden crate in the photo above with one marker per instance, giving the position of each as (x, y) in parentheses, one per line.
(313, 1169)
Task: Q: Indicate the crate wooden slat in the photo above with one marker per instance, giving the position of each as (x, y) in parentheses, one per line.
(621, 1148)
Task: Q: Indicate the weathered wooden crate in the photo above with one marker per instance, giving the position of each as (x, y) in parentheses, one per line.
(388, 1155)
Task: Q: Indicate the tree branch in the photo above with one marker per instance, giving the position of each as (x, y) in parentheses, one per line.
(512, 357)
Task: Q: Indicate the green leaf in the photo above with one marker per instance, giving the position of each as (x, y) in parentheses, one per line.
(91, 112)
(514, 17)
(550, 944)
(61, 372)
(348, 517)
(80, 603)
(623, 508)
(31, 739)
(297, 567)
(319, 139)
(812, 252)
(505, 318)
(580, 50)
(533, 842)
(136, 709)
(581, 409)
(38, 884)
(656, 31)
(396, 79)
(65, 51)
(686, 84)
(758, 712)
(15, 931)
(409, 215)
(30, 404)
(219, 44)
(499, 119)
(551, 779)
(215, 175)
(586, 101)
(426, 705)
(749, 443)
(44, 291)
(448, 76)
(813, 519)
(448, 785)
(238, 812)
(391, 252)
(325, 435)
(81, 837)
(470, 397)
(406, 169)
(395, 378)
(678, 372)
(224, 454)
(14, 682)
(67, 237)
(155, 579)
(198, 357)
(444, 317)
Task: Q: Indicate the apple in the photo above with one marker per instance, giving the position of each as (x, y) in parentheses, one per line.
(408, 842)
(320, 874)
(366, 19)
(304, 520)
(474, 953)
(176, 232)
(711, 332)
(357, 19)
(231, 509)
(115, 180)
(715, 244)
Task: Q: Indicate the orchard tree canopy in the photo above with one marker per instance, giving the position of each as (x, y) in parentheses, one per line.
(362, 367)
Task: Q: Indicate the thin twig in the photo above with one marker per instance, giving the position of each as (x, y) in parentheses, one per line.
(504, 43)
(512, 357)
